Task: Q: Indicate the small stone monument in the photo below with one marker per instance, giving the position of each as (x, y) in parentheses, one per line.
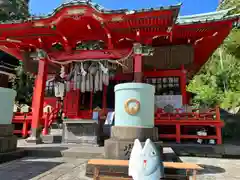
(134, 119)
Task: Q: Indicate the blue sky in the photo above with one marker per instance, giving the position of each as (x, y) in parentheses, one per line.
(188, 7)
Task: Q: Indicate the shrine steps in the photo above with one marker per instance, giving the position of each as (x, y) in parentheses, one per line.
(54, 136)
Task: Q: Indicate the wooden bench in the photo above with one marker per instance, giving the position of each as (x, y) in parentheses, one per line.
(96, 163)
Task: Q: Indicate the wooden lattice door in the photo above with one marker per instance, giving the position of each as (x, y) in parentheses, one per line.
(71, 103)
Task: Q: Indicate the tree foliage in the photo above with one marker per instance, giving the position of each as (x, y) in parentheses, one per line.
(218, 82)
(23, 83)
(11, 11)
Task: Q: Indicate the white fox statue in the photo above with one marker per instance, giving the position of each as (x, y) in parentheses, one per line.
(145, 163)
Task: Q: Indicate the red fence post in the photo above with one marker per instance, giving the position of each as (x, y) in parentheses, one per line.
(25, 128)
(178, 133)
(46, 122)
(219, 134)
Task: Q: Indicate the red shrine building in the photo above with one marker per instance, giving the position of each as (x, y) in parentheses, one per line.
(86, 50)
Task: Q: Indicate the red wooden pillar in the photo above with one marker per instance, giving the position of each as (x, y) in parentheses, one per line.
(183, 84)
(38, 100)
(178, 133)
(138, 63)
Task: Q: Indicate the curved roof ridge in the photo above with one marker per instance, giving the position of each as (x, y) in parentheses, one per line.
(215, 15)
(101, 9)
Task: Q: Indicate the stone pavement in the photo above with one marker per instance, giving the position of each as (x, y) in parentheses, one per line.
(70, 164)
(30, 168)
(216, 169)
(44, 169)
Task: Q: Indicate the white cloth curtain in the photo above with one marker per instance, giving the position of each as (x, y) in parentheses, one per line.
(59, 89)
(88, 82)
(83, 84)
(91, 82)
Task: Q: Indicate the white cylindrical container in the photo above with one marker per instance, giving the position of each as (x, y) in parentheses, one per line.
(7, 97)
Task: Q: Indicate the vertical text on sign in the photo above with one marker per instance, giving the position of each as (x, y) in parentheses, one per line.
(127, 150)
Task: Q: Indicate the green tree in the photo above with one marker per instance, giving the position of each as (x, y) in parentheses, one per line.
(23, 83)
(14, 10)
(218, 81)
(232, 43)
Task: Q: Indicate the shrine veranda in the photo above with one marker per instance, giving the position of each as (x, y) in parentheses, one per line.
(87, 50)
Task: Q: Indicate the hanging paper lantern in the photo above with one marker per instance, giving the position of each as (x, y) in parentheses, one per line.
(62, 72)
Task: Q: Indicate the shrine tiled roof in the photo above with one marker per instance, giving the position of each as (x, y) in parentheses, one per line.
(77, 21)
(98, 8)
(196, 18)
(101, 9)
(205, 17)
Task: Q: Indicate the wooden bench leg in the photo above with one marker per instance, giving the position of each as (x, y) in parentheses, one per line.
(194, 175)
(187, 174)
(96, 173)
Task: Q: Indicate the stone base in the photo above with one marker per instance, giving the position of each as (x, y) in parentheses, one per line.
(81, 132)
(119, 149)
(8, 142)
(6, 130)
(49, 139)
(119, 146)
(55, 136)
(132, 133)
(34, 140)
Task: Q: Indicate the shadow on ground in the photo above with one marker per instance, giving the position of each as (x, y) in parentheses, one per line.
(208, 169)
(59, 151)
(26, 168)
(50, 152)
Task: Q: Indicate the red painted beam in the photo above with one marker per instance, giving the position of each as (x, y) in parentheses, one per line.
(91, 54)
(163, 73)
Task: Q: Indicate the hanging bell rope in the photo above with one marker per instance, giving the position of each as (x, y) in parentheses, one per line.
(118, 61)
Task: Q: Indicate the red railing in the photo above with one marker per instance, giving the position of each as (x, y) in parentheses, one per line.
(187, 120)
(49, 118)
(26, 118)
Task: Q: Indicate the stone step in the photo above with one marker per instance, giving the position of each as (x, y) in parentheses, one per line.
(10, 156)
(54, 136)
(56, 132)
(48, 139)
(55, 126)
(61, 150)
